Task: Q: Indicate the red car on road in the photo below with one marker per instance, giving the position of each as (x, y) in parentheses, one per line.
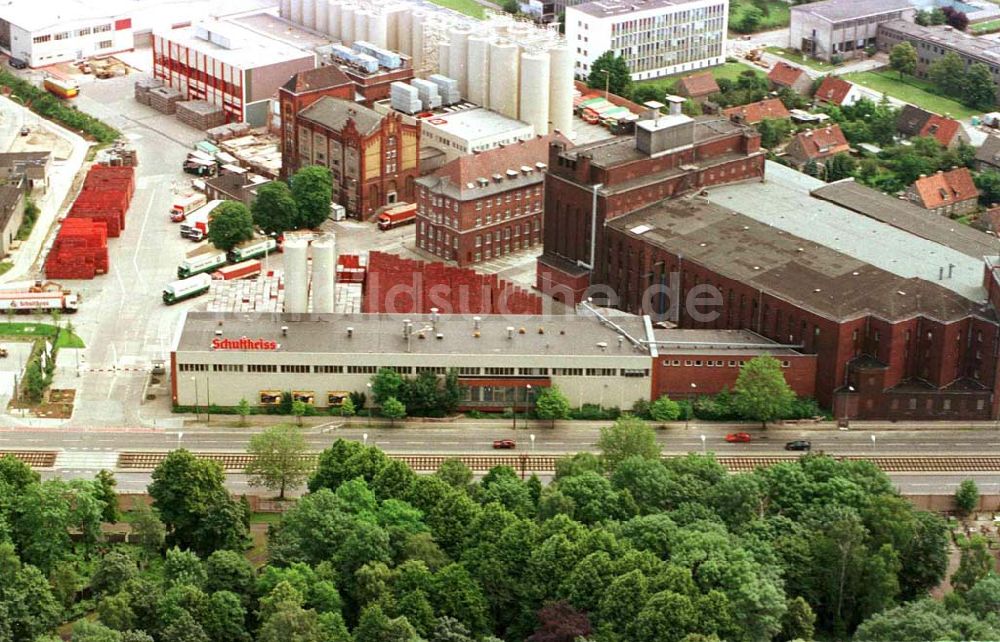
(504, 443)
(738, 437)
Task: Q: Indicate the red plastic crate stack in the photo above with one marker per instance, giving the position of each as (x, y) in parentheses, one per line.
(351, 268)
(451, 289)
(105, 196)
(80, 250)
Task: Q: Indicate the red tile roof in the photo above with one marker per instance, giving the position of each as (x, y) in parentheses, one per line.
(942, 128)
(755, 112)
(468, 168)
(945, 188)
(784, 74)
(698, 85)
(824, 142)
(833, 90)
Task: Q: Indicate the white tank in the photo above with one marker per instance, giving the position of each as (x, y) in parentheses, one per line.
(296, 261)
(361, 24)
(417, 39)
(296, 11)
(561, 90)
(378, 30)
(322, 11)
(309, 13)
(478, 68)
(392, 18)
(347, 24)
(324, 274)
(333, 20)
(503, 79)
(458, 57)
(285, 10)
(404, 32)
(444, 59)
(534, 91)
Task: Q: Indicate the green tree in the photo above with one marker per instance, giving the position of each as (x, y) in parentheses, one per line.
(312, 188)
(229, 571)
(511, 6)
(347, 408)
(147, 530)
(34, 381)
(551, 404)
(643, 93)
(386, 383)
(455, 473)
(376, 626)
(664, 409)
(610, 71)
(26, 601)
(988, 183)
(749, 22)
(799, 620)
(761, 391)
(243, 410)
(299, 409)
(975, 563)
(839, 167)
(903, 58)
(66, 583)
(967, 496)
(278, 460)
(16, 475)
(948, 74)
(627, 437)
(45, 514)
(393, 409)
(924, 620)
(112, 572)
(182, 568)
(978, 89)
(231, 224)
(274, 209)
(774, 131)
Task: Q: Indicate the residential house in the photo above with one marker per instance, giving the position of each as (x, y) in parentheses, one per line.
(817, 145)
(950, 193)
(784, 75)
(837, 91)
(770, 109)
(914, 122)
(988, 155)
(697, 87)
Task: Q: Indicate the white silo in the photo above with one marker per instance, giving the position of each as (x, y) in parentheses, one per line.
(478, 69)
(322, 13)
(309, 13)
(444, 59)
(347, 24)
(417, 39)
(561, 89)
(393, 15)
(296, 11)
(458, 57)
(333, 20)
(324, 274)
(534, 91)
(361, 24)
(296, 275)
(404, 35)
(285, 9)
(378, 29)
(503, 79)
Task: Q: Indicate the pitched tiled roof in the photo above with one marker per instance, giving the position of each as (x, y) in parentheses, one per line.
(334, 113)
(911, 120)
(755, 112)
(942, 128)
(318, 78)
(944, 188)
(989, 151)
(820, 143)
(833, 90)
(697, 85)
(784, 74)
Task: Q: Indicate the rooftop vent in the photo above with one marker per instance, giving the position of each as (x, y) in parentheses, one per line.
(541, 330)
(497, 178)
(284, 330)
(510, 332)
(511, 173)
(483, 182)
(218, 333)
(521, 330)
(525, 169)
(603, 345)
(439, 336)
(540, 165)
(350, 332)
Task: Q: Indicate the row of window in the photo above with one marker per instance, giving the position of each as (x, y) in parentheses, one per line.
(491, 371)
(65, 35)
(716, 363)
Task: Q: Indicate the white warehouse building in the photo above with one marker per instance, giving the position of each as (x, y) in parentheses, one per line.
(47, 33)
(655, 37)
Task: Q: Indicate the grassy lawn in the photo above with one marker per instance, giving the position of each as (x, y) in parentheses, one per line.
(799, 59)
(5, 267)
(730, 70)
(985, 27)
(778, 14)
(468, 7)
(19, 329)
(912, 90)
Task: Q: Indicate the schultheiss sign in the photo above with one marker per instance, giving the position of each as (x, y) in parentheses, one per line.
(243, 343)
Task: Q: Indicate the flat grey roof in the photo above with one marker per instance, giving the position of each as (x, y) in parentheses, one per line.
(837, 10)
(474, 124)
(716, 342)
(564, 335)
(982, 48)
(249, 49)
(783, 202)
(603, 8)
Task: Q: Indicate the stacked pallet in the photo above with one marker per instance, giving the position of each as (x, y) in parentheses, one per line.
(266, 293)
(80, 250)
(143, 87)
(164, 99)
(106, 194)
(200, 114)
(348, 298)
(227, 132)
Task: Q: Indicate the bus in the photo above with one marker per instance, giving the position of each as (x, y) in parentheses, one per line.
(252, 249)
(186, 288)
(61, 88)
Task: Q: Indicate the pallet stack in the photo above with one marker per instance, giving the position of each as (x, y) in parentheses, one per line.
(105, 196)
(200, 114)
(80, 250)
(164, 99)
(227, 132)
(143, 87)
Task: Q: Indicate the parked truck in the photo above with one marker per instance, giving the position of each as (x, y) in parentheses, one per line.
(185, 204)
(252, 249)
(62, 88)
(400, 214)
(242, 270)
(46, 301)
(204, 259)
(183, 289)
(195, 227)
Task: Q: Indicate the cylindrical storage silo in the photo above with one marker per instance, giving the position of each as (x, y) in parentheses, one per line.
(296, 276)
(322, 11)
(361, 24)
(333, 20)
(378, 30)
(478, 69)
(444, 59)
(309, 10)
(457, 58)
(534, 94)
(347, 24)
(417, 40)
(285, 10)
(503, 80)
(404, 35)
(393, 15)
(324, 274)
(296, 11)
(561, 90)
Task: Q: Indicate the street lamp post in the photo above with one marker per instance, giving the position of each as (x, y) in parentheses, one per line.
(208, 400)
(194, 380)
(369, 401)
(364, 439)
(532, 436)
(687, 415)
(873, 443)
(703, 452)
(607, 82)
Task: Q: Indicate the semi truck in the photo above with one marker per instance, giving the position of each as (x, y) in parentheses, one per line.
(183, 289)
(237, 271)
(184, 205)
(204, 259)
(46, 301)
(252, 249)
(62, 88)
(195, 227)
(397, 215)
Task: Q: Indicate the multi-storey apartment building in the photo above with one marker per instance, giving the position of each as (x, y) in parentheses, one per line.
(486, 205)
(655, 37)
(842, 28)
